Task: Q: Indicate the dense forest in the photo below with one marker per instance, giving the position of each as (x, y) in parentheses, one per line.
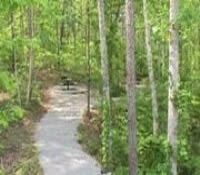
(140, 60)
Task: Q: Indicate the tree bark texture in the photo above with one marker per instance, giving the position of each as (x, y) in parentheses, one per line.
(173, 82)
(131, 85)
(150, 69)
(104, 50)
(31, 55)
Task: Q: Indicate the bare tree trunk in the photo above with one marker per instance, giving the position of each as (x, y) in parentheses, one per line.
(174, 79)
(31, 55)
(104, 50)
(58, 41)
(131, 84)
(74, 28)
(62, 28)
(88, 55)
(14, 56)
(22, 30)
(150, 70)
(105, 67)
(13, 35)
(62, 33)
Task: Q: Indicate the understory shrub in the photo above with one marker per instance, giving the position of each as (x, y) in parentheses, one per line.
(154, 156)
(9, 114)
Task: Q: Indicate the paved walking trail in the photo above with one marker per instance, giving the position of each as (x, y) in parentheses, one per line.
(60, 154)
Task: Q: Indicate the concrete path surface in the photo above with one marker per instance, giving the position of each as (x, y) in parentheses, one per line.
(56, 135)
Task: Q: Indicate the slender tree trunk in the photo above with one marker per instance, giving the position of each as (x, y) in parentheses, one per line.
(162, 46)
(74, 30)
(131, 84)
(173, 82)
(62, 32)
(13, 35)
(105, 68)
(31, 55)
(150, 69)
(14, 56)
(104, 50)
(22, 29)
(58, 41)
(88, 55)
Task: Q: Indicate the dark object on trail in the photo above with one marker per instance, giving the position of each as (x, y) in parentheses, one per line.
(67, 81)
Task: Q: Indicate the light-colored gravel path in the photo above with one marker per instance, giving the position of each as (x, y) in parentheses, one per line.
(56, 135)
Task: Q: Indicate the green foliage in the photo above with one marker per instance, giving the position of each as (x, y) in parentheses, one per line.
(7, 82)
(9, 114)
(90, 139)
(120, 136)
(158, 162)
(105, 137)
(30, 166)
(2, 172)
(122, 170)
(69, 57)
(187, 102)
(156, 146)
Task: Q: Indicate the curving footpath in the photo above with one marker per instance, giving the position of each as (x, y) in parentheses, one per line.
(60, 153)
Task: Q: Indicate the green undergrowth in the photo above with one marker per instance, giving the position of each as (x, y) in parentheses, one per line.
(91, 142)
(18, 154)
(153, 151)
(89, 135)
(30, 166)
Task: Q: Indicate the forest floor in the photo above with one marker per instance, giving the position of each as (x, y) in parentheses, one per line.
(19, 155)
(57, 137)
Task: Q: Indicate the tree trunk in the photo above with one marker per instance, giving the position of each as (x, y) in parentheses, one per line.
(173, 82)
(88, 55)
(105, 70)
(150, 69)
(104, 50)
(13, 35)
(22, 30)
(31, 55)
(131, 85)
(58, 41)
(62, 32)
(14, 56)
